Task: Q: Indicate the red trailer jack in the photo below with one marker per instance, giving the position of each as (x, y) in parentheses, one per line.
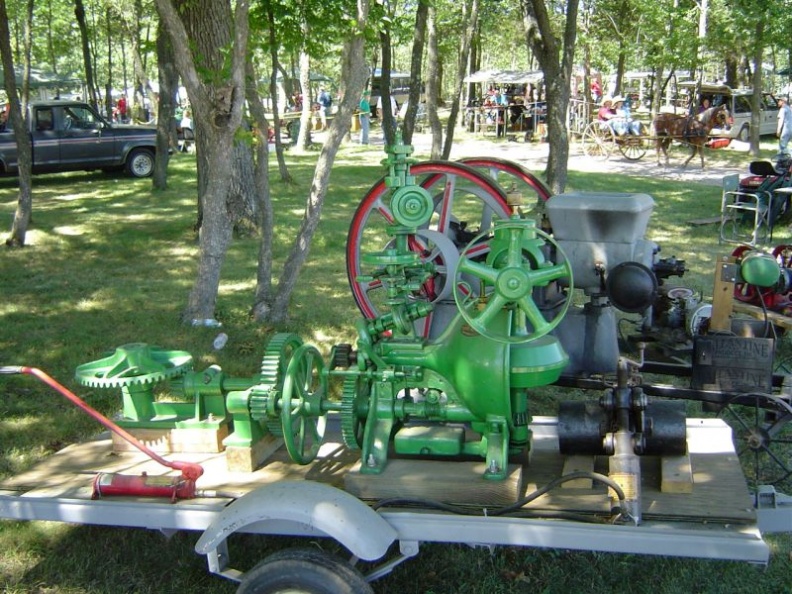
(113, 484)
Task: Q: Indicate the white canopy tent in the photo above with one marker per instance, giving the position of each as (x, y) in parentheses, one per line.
(505, 77)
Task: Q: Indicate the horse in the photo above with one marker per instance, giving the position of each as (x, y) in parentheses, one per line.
(694, 130)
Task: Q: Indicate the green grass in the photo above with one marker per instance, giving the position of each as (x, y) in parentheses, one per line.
(109, 262)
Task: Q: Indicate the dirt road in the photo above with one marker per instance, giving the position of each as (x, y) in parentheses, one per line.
(534, 157)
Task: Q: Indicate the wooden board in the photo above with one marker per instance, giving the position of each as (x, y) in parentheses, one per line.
(719, 489)
(455, 482)
(754, 311)
(167, 441)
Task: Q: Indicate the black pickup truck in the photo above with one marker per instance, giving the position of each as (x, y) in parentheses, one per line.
(71, 136)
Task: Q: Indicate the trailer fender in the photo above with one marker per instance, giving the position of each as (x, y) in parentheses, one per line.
(321, 507)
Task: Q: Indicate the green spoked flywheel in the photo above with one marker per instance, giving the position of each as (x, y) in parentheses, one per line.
(134, 364)
(304, 387)
(276, 359)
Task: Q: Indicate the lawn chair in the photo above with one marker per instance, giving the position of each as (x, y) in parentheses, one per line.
(752, 205)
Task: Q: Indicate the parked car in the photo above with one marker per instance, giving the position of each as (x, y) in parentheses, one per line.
(72, 136)
(738, 102)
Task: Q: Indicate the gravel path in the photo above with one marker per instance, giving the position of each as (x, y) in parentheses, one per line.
(533, 155)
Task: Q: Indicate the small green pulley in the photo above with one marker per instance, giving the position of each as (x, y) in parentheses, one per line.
(412, 206)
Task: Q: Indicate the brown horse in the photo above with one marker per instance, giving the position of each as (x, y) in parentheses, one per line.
(694, 130)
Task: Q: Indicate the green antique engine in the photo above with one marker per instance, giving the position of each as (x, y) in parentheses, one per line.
(463, 392)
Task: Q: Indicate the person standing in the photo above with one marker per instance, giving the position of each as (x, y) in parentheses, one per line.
(365, 114)
(325, 102)
(784, 129)
(121, 108)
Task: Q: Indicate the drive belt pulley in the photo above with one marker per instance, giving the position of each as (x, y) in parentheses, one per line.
(264, 397)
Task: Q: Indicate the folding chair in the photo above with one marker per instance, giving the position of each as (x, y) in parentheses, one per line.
(746, 217)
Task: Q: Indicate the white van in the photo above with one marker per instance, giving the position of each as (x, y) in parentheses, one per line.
(738, 102)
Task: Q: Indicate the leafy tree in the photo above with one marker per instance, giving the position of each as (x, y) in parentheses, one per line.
(556, 58)
(19, 121)
(211, 61)
(274, 308)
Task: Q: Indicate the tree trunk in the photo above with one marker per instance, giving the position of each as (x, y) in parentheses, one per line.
(416, 62)
(24, 207)
(166, 118)
(353, 78)
(471, 12)
(387, 117)
(285, 176)
(79, 13)
(557, 64)
(432, 90)
(304, 138)
(221, 41)
(756, 111)
(266, 217)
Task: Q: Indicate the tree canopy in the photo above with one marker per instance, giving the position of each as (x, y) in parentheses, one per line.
(100, 50)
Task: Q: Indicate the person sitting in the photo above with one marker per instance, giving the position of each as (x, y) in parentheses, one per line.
(705, 105)
(623, 123)
(606, 112)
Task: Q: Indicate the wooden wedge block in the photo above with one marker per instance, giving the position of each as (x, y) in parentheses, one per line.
(578, 464)
(244, 459)
(676, 474)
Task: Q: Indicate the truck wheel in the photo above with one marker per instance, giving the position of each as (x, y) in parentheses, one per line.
(140, 163)
(744, 134)
(303, 570)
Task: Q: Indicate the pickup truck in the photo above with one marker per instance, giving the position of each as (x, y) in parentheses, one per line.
(71, 136)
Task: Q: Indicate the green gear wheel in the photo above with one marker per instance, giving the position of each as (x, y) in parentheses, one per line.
(133, 364)
(354, 389)
(273, 367)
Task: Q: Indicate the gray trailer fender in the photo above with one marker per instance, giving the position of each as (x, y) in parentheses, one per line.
(320, 507)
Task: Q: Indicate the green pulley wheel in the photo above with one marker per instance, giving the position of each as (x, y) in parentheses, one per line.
(277, 355)
(134, 364)
(302, 419)
(508, 283)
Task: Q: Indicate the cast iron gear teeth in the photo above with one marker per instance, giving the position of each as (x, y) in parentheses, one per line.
(351, 429)
(273, 368)
(132, 364)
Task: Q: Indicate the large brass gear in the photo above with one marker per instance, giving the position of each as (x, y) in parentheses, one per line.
(355, 390)
(131, 364)
(276, 359)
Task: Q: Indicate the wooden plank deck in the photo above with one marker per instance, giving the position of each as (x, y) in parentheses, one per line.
(719, 491)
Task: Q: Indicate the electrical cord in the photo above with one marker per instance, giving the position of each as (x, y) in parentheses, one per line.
(514, 507)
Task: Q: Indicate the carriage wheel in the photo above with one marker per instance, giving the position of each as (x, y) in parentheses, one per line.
(762, 436)
(465, 204)
(598, 140)
(633, 148)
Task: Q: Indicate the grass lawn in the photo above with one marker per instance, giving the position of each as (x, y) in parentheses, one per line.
(110, 262)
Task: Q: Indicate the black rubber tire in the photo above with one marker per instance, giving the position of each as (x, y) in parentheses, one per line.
(140, 163)
(744, 134)
(303, 570)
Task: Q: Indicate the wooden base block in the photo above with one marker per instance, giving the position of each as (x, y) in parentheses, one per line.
(578, 464)
(249, 459)
(676, 474)
(446, 481)
(167, 441)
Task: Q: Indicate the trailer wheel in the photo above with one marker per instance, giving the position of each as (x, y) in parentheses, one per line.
(308, 571)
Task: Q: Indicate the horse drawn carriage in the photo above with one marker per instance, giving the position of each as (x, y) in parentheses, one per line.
(600, 140)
